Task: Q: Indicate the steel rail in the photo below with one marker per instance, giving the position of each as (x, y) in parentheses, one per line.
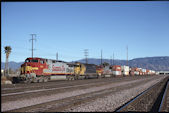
(74, 85)
(14, 88)
(48, 89)
(119, 109)
(162, 102)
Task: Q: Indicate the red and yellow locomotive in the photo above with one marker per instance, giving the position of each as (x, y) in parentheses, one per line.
(40, 69)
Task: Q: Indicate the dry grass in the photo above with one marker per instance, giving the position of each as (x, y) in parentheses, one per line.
(3, 78)
(6, 80)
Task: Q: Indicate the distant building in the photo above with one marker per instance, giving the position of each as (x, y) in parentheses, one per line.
(163, 72)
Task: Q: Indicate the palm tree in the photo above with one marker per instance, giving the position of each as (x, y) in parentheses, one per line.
(7, 52)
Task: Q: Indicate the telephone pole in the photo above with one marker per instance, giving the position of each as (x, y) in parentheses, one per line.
(101, 57)
(86, 54)
(127, 55)
(57, 56)
(32, 42)
(113, 58)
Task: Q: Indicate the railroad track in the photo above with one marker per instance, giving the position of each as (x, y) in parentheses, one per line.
(164, 106)
(50, 83)
(65, 97)
(13, 96)
(45, 86)
(63, 104)
(154, 99)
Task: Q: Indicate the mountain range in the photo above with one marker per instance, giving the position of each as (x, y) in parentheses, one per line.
(153, 63)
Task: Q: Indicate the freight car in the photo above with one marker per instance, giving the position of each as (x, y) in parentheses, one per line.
(42, 70)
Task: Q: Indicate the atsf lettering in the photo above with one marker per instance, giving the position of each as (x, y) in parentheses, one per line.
(58, 68)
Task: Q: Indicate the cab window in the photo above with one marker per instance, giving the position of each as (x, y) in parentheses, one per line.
(27, 60)
(41, 61)
(34, 60)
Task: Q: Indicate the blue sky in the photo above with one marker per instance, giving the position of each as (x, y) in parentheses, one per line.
(70, 27)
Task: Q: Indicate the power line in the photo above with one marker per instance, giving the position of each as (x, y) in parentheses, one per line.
(86, 54)
(32, 42)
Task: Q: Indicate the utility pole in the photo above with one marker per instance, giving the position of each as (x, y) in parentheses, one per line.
(113, 58)
(127, 55)
(101, 57)
(86, 54)
(57, 56)
(32, 42)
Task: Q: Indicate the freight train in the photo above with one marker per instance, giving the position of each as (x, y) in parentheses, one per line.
(42, 70)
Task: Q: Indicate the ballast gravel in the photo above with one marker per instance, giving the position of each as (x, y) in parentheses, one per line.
(102, 104)
(111, 102)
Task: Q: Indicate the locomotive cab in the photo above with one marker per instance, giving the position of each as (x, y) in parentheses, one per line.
(33, 67)
(99, 70)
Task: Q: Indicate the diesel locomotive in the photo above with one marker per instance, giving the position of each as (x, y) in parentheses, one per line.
(42, 70)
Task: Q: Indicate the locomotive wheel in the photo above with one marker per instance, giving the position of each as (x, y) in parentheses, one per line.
(35, 80)
(40, 79)
(26, 81)
(45, 79)
(29, 80)
(76, 77)
(86, 77)
(67, 78)
(99, 76)
(72, 78)
(103, 76)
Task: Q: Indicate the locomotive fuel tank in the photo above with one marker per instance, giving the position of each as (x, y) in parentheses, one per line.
(90, 71)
